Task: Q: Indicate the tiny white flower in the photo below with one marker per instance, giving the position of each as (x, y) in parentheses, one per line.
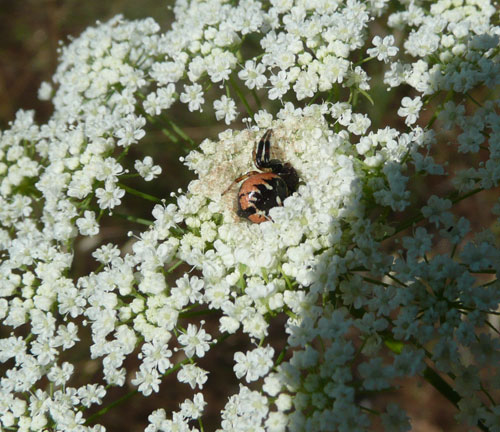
(195, 341)
(193, 96)
(147, 380)
(106, 253)
(410, 108)
(146, 169)
(131, 130)
(436, 210)
(45, 91)
(253, 75)
(383, 48)
(88, 225)
(225, 108)
(110, 196)
(192, 375)
(192, 409)
(280, 84)
(157, 355)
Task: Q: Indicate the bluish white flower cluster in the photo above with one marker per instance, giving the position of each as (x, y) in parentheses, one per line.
(369, 300)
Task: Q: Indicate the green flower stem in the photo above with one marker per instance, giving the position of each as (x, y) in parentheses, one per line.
(156, 121)
(491, 282)
(486, 392)
(396, 280)
(174, 266)
(178, 130)
(363, 61)
(369, 410)
(360, 349)
(433, 119)
(201, 312)
(367, 96)
(316, 95)
(447, 98)
(281, 356)
(257, 99)
(351, 97)
(473, 100)
(139, 193)
(84, 205)
(100, 215)
(467, 195)
(131, 175)
(286, 278)
(264, 275)
(116, 402)
(454, 251)
(433, 378)
(163, 129)
(134, 219)
(375, 281)
(482, 311)
(123, 154)
(492, 327)
(241, 96)
(170, 135)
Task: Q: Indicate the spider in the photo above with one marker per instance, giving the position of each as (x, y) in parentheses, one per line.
(261, 191)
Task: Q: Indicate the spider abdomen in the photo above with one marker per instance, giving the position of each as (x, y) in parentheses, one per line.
(258, 194)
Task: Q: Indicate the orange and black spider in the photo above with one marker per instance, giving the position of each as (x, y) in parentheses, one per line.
(261, 191)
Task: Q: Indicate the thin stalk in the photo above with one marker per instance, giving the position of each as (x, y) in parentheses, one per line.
(241, 96)
(488, 395)
(155, 121)
(104, 410)
(316, 95)
(174, 266)
(178, 130)
(473, 100)
(369, 410)
(375, 281)
(492, 327)
(170, 135)
(256, 98)
(134, 219)
(433, 378)
(395, 279)
(281, 356)
(363, 61)
(139, 193)
(202, 312)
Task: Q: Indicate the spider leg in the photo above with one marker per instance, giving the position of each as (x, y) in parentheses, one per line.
(240, 178)
(261, 150)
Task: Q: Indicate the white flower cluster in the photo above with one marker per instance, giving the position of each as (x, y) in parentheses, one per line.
(364, 307)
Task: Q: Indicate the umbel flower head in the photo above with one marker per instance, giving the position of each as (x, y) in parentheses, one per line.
(305, 223)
